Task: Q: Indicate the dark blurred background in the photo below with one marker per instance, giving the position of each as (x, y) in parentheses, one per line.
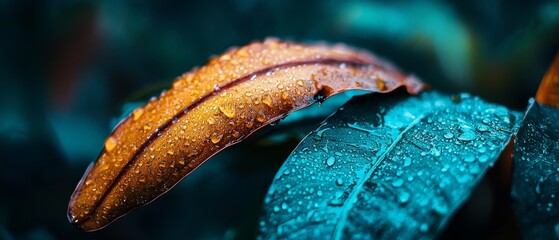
(68, 68)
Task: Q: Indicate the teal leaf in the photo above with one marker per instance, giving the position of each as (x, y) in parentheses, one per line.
(386, 166)
(535, 184)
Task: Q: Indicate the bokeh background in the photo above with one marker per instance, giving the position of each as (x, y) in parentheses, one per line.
(68, 68)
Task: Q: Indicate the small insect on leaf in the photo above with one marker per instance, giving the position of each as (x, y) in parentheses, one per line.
(214, 107)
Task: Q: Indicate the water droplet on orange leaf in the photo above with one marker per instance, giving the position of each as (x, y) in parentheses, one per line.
(216, 138)
(110, 144)
(210, 120)
(381, 85)
(137, 113)
(266, 99)
(300, 83)
(228, 110)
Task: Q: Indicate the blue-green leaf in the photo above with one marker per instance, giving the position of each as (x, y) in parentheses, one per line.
(535, 188)
(386, 167)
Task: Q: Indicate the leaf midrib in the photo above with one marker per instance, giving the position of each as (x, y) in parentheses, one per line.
(340, 224)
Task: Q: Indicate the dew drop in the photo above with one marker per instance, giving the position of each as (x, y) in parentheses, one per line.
(381, 85)
(280, 86)
(210, 120)
(228, 110)
(300, 82)
(215, 138)
(110, 144)
(235, 133)
(277, 209)
(330, 161)
(182, 161)
(397, 182)
(137, 113)
(170, 152)
(424, 227)
(284, 95)
(407, 161)
(482, 128)
(467, 136)
(483, 158)
(403, 196)
(339, 182)
(250, 124)
(469, 158)
(266, 99)
(284, 206)
(448, 135)
(260, 117)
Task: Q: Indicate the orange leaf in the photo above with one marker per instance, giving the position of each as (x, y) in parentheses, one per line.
(548, 92)
(214, 107)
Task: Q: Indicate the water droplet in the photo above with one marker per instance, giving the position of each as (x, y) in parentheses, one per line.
(182, 161)
(300, 82)
(336, 202)
(403, 196)
(448, 135)
(228, 110)
(147, 126)
(330, 161)
(170, 152)
(110, 144)
(242, 52)
(137, 113)
(381, 85)
(266, 99)
(339, 182)
(424, 227)
(467, 136)
(260, 117)
(250, 124)
(235, 133)
(469, 158)
(483, 158)
(397, 182)
(280, 86)
(284, 95)
(435, 152)
(407, 161)
(277, 209)
(215, 138)
(210, 120)
(482, 128)
(319, 193)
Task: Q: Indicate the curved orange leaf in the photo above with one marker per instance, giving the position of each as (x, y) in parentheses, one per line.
(548, 92)
(211, 108)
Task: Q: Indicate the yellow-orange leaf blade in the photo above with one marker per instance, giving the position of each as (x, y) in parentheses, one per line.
(211, 108)
(548, 92)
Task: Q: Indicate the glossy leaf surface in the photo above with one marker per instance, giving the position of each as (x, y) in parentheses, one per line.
(535, 188)
(211, 108)
(386, 167)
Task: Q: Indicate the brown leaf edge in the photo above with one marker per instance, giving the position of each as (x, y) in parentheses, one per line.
(548, 92)
(214, 107)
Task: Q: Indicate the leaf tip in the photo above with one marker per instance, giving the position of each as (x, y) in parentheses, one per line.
(548, 92)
